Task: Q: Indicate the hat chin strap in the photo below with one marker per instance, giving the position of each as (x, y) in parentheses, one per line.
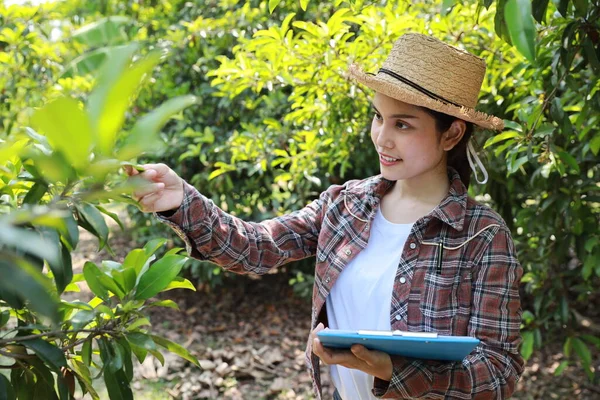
(471, 154)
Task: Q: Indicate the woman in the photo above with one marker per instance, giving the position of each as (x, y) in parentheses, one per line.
(407, 249)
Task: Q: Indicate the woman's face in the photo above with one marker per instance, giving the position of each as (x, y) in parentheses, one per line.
(408, 135)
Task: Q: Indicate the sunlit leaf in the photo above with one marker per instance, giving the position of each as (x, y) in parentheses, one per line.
(67, 128)
(175, 348)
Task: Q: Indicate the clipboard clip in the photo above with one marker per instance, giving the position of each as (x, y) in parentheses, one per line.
(425, 335)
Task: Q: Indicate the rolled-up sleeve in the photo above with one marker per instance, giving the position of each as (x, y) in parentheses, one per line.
(492, 370)
(212, 234)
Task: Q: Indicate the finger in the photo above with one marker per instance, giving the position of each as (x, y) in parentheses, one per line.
(161, 169)
(148, 189)
(147, 202)
(318, 328)
(130, 171)
(149, 174)
(330, 356)
(370, 357)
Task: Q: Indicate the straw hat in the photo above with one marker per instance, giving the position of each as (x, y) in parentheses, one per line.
(427, 72)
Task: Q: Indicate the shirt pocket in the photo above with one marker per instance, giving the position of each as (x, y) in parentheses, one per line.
(442, 295)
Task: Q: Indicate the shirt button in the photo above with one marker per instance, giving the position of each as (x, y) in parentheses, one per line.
(322, 257)
(413, 246)
(398, 317)
(327, 280)
(348, 252)
(403, 280)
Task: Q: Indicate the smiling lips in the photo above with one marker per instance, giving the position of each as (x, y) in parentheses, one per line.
(387, 160)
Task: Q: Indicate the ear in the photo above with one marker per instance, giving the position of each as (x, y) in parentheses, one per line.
(454, 134)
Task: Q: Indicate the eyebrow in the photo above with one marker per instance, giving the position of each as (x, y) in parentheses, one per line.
(406, 116)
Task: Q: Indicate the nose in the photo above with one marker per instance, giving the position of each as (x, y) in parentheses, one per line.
(383, 137)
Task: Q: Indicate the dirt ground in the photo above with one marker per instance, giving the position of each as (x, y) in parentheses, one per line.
(250, 335)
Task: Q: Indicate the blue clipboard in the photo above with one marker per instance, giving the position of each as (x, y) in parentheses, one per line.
(421, 345)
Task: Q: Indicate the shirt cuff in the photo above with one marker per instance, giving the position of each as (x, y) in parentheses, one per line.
(381, 388)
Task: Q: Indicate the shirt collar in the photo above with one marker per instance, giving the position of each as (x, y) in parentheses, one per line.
(451, 210)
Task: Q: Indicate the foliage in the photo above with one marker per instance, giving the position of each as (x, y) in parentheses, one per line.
(278, 121)
(54, 180)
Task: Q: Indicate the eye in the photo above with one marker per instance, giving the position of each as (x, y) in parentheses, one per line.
(377, 117)
(401, 125)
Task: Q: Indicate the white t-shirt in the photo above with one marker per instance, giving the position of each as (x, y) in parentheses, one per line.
(362, 295)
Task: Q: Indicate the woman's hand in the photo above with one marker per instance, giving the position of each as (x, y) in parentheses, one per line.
(163, 190)
(374, 363)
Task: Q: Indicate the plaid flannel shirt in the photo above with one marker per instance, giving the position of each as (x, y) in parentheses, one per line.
(476, 292)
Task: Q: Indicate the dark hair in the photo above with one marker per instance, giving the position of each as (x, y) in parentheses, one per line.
(457, 157)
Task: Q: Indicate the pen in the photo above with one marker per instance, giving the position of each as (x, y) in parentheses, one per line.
(440, 256)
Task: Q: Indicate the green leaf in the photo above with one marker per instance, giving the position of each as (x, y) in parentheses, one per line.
(165, 303)
(570, 160)
(71, 234)
(521, 27)
(564, 310)
(22, 381)
(94, 219)
(117, 385)
(137, 323)
(581, 7)
(4, 317)
(82, 374)
(91, 273)
(273, 4)
(48, 353)
(591, 54)
(527, 345)
(159, 275)
(180, 283)
(25, 282)
(87, 63)
(135, 259)
(141, 340)
(500, 21)
(595, 144)
(123, 347)
(303, 5)
(119, 97)
(67, 128)
(28, 241)
(563, 6)
(501, 137)
(539, 8)
(82, 318)
(567, 346)
(559, 370)
(129, 277)
(153, 245)
(112, 215)
(35, 194)
(582, 351)
(175, 348)
(447, 6)
(105, 31)
(119, 59)
(144, 133)
(86, 352)
(6, 390)
(592, 339)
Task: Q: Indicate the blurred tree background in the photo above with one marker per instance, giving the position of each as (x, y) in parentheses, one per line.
(276, 121)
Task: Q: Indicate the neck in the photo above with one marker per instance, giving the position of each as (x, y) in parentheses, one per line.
(428, 188)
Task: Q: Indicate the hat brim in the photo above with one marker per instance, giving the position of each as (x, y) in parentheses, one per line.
(400, 91)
